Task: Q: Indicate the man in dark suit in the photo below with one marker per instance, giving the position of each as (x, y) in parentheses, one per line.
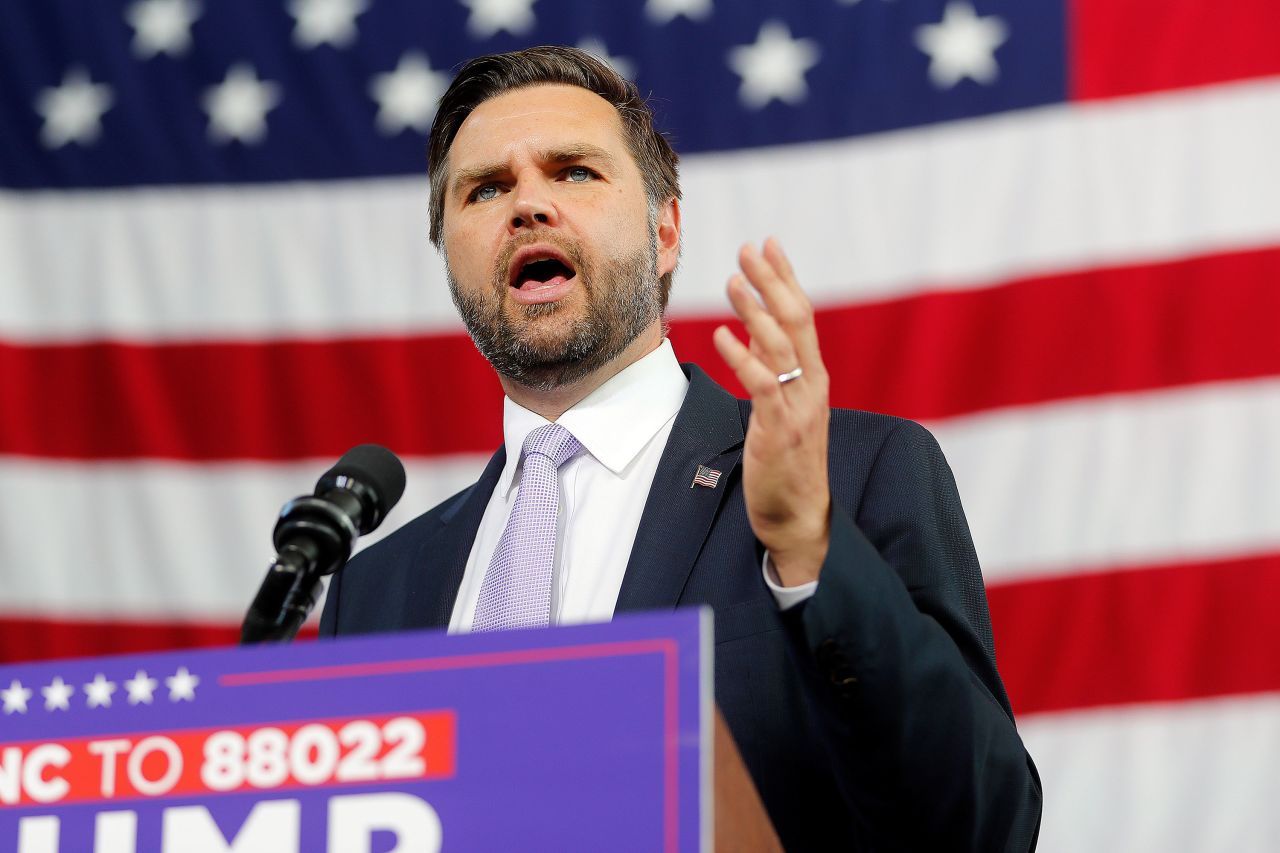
(854, 660)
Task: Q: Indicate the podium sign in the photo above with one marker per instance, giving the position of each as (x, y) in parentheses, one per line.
(590, 737)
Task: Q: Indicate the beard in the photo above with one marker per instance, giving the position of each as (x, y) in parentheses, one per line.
(621, 298)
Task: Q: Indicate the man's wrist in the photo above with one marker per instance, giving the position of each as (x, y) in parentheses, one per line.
(785, 596)
(803, 564)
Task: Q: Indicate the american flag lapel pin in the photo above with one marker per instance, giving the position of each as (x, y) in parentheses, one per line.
(707, 477)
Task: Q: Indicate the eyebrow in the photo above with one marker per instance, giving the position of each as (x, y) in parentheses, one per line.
(567, 154)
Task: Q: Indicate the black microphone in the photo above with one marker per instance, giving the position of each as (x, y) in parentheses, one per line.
(314, 536)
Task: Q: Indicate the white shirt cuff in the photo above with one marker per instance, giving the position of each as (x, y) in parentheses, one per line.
(786, 596)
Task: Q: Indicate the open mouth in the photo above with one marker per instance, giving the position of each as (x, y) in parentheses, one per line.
(539, 269)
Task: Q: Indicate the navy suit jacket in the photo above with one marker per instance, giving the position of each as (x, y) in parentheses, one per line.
(872, 716)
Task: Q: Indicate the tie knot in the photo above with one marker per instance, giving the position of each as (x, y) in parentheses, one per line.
(552, 441)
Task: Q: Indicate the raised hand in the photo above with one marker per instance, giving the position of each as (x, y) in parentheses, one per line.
(784, 466)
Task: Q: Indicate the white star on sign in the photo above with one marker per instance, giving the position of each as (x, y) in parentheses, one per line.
(407, 96)
(773, 67)
(663, 11)
(99, 691)
(962, 45)
(325, 21)
(597, 48)
(182, 685)
(489, 16)
(161, 26)
(15, 697)
(140, 688)
(57, 695)
(73, 111)
(238, 106)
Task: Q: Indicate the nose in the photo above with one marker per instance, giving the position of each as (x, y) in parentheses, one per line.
(532, 205)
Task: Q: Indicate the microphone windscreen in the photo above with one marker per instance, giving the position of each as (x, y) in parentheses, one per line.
(375, 467)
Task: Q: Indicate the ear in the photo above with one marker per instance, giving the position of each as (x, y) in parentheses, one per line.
(668, 236)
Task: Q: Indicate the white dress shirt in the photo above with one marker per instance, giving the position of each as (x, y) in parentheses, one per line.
(623, 427)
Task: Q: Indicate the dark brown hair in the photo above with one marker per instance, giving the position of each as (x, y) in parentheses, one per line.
(488, 76)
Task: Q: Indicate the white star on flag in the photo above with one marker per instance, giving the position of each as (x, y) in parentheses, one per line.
(238, 106)
(99, 691)
(962, 45)
(597, 48)
(182, 685)
(161, 26)
(407, 96)
(15, 697)
(774, 66)
(57, 695)
(140, 688)
(663, 11)
(325, 21)
(73, 111)
(488, 17)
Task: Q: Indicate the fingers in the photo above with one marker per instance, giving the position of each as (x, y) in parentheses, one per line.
(760, 381)
(773, 254)
(771, 275)
(767, 337)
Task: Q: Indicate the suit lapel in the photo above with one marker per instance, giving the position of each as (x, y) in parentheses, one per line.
(677, 515)
(447, 552)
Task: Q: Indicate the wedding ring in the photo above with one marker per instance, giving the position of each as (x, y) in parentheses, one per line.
(789, 376)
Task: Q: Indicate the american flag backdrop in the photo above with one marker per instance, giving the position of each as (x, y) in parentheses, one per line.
(1049, 229)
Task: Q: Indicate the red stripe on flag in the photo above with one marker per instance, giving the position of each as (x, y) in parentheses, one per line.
(273, 400)
(30, 639)
(1161, 633)
(925, 357)
(1152, 634)
(1072, 335)
(1123, 48)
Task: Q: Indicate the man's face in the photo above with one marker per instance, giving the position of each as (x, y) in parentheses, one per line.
(552, 253)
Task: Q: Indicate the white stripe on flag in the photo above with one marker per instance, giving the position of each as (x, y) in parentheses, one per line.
(958, 205)
(1136, 478)
(165, 540)
(1061, 487)
(1186, 776)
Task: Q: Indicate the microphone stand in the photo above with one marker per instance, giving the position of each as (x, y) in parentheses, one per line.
(313, 538)
(284, 601)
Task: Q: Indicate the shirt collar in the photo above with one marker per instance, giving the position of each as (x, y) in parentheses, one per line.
(613, 422)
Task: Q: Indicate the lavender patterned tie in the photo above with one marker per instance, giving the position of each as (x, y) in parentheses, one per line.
(516, 592)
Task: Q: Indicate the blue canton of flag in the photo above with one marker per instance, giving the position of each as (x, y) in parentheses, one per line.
(186, 92)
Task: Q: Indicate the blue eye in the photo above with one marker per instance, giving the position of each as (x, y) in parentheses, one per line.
(579, 174)
(485, 192)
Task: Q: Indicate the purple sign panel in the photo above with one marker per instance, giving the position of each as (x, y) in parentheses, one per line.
(592, 737)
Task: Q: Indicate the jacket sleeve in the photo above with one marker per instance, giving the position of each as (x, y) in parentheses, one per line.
(897, 644)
